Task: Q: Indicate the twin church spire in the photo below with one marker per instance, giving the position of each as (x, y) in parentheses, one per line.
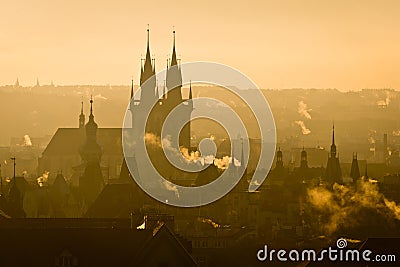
(148, 83)
(171, 95)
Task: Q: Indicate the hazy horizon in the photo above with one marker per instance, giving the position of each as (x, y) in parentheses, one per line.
(136, 86)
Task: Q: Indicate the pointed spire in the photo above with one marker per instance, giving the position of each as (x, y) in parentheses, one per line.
(279, 154)
(141, 65)
(174, 61)
(91, 105)
(354, 171)
(190, 90)
(232, 163)
(147, 68)
(174, 79)
(147, 76)
(366, 170)
(37, 82)
(81, 117)
(148, 40)
(154, 64)
(132, 96)
(333, 146)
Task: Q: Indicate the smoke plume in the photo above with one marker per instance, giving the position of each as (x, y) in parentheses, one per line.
(27, 140)
(209, 221)
(171, 187)
(303, 110)
(303, 127)
(42, 180)
(344, 207)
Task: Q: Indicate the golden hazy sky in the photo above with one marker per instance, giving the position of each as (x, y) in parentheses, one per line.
(279, 44)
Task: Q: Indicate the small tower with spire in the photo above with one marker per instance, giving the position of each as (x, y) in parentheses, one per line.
(91, 151)
(243, 164)
(91, 182)
(279, 159)
(132, 97)
(81, 117)
(147, 76)
(190, 94)
(355, 171)
(333, 171)
(174, 78)
(303, 159)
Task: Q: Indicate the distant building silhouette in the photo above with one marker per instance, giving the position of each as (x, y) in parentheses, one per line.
(91, 182)
(303, 162)
(81, 118)
(355, 171)
(15, 198)
(333, 170)
(279, 172)
(63, 152)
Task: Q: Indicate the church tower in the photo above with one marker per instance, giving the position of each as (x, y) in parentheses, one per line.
(82, 118)
(147, 76)
(91, 182)
(174, 79)
(333, 171)
(279, 159)
(303, 159)
(355, 171)
(91, 150)
(162, 107)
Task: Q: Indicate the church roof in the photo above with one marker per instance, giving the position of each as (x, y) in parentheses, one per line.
(67, 141)
(114, 201)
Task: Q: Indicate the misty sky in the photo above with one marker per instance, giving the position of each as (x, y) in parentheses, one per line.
(279, 44)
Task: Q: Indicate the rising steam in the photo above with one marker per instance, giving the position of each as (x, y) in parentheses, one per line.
(303, 110)
(303, 127)
(27, 140)
(171, 187)
(193, 157)
(42, 180)
(208, 221)
(343, 206)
